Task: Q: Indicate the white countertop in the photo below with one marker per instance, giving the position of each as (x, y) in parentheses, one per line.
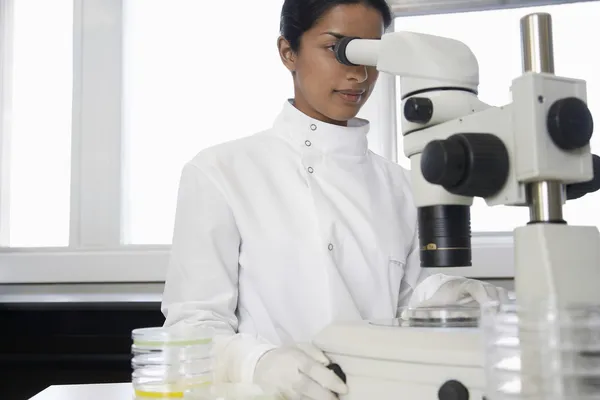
(108, 391)
(124, 391)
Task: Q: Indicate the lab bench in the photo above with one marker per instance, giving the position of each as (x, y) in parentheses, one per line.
(68, 334)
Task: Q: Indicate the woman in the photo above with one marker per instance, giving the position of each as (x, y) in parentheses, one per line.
(281, 233)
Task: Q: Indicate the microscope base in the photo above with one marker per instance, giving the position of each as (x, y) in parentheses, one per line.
(384, 360)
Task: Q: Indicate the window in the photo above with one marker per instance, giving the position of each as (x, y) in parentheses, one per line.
(191, 80)
(36, 88)
(494, 37)
(191, 83)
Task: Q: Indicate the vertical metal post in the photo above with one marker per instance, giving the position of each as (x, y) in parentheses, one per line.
(537, 43)
(545, 199)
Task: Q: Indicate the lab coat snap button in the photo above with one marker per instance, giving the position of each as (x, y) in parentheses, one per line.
(308, 143)
(330, 247)
(313, 127)
(310, 170)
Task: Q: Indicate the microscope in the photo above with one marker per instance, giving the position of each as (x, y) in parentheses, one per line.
(533, 152)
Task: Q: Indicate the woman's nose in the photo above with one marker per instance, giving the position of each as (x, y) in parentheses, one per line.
(358, 73)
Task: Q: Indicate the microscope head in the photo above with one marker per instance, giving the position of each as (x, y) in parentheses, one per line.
(439, 78)
(421, 61)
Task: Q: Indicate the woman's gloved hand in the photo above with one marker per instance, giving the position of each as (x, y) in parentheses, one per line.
(299, 372)
(458, 291)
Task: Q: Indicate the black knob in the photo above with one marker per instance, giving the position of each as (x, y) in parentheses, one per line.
(577, 190)
(338, 371)
(444, 162)
(570, 123)
(418, 110)
(453, 390)
(467, 164)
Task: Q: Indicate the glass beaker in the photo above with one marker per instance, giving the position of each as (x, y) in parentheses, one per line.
(167, 362)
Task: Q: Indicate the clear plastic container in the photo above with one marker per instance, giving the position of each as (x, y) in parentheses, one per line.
(541, 352)
(167, 362)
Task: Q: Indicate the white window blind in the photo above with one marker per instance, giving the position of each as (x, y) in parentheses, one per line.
(36, 109)
(494, 37)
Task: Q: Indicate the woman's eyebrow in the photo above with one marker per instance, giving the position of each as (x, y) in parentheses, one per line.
(340, 36)
(334, 34)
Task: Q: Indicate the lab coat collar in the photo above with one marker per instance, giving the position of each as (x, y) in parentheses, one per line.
(309, 133)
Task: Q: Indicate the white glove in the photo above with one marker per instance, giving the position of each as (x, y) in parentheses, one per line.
(298, 372)
(461, 292)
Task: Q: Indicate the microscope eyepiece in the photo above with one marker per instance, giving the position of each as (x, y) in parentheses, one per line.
(340, 50)
(445, 236)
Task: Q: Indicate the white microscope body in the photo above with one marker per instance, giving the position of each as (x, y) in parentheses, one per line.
(532, 152)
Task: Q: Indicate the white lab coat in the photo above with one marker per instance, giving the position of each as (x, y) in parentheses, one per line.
(281, 233)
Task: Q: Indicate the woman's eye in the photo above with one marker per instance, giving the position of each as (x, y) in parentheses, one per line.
(331, 48)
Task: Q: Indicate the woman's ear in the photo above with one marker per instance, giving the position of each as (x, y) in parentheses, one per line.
(288, 57)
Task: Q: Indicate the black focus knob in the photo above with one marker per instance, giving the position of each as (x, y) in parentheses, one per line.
(577, 190)
(570, 123)
(453, 390)
(338, 371)
(418, 110)
(444, 162)
(467, 164)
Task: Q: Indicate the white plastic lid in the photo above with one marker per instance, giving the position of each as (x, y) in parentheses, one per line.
(172, 336)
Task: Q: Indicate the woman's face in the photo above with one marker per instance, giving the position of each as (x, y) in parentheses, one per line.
(324, 88)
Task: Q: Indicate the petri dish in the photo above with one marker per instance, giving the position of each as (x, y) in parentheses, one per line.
(443, 317)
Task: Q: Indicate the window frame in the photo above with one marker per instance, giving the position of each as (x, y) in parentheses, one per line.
(97, 113)
(6, 33)
(95, 252)
(410, 8)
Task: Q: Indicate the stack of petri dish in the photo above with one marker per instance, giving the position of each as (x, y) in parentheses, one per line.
(168, 362)
(541, 352)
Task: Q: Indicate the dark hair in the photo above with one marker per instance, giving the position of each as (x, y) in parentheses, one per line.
(298, 16)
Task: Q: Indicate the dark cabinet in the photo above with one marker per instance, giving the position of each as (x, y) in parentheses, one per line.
(67, 343)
